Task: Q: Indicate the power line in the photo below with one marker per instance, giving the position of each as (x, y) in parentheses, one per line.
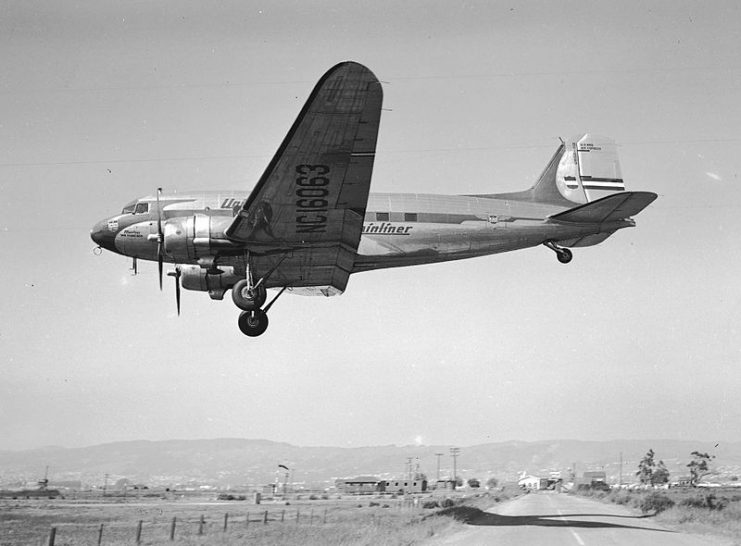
(386, 79)
(502, 147)
(454, 451)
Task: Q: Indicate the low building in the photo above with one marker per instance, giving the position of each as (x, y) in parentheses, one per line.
(532, 483)
(446, 484)
(361, 485)
(406, 485)
(592, 477)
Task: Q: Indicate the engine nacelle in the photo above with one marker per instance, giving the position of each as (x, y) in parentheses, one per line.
(195, 277)
(195, 237)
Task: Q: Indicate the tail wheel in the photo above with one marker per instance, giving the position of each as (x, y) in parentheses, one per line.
(564, 255)
(248, 298)
(253, 323)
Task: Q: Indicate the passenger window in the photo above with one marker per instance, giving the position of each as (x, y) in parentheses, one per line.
(141, 208)
(410, 216)
(382, 217)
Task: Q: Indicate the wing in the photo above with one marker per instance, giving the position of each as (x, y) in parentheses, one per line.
(306, 211)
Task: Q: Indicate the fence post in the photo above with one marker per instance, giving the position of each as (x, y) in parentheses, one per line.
(100, 535)
(200, 525)
(265, 518)
(325, 517)
(172, 530)
(52, 536)
(247, 522)
(282, 516)
(226, 521)
(138, 532)
(298, 515)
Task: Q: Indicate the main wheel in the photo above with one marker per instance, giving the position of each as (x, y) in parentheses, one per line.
(564, 255)
(253, 323)
(246, 298)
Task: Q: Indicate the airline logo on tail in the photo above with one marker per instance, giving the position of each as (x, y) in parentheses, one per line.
(589, 170)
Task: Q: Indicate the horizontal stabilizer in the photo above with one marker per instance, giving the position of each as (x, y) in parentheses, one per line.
(617, 206)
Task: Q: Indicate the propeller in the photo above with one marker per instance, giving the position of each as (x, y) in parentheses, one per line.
(160, 238)
(176, 275)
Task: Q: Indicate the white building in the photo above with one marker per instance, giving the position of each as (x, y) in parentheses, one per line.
(530, 482)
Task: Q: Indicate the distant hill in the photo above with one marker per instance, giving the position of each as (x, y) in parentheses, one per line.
(240, 461)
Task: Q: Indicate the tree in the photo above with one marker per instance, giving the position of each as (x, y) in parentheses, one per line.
(492, 483)
(474, 483)
(660, 475)
(646, 468)
(699, 466)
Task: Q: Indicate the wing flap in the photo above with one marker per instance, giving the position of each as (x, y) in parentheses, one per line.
(615, 207)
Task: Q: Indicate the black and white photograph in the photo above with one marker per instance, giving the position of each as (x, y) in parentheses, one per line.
(319, 272)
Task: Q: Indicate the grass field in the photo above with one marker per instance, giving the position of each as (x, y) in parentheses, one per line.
(712, 512)
(351, 520)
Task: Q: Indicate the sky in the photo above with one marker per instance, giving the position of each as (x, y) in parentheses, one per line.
(102, 102)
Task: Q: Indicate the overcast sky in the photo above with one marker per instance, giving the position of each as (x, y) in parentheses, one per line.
(101, 102)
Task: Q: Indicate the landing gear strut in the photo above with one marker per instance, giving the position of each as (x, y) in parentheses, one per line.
(249, 297)
(564, 255)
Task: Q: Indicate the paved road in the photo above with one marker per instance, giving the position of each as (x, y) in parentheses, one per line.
(565, 520)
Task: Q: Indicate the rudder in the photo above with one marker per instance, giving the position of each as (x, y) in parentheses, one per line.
(589, 169)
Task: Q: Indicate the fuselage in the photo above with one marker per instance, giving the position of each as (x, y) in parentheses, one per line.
(399, 229)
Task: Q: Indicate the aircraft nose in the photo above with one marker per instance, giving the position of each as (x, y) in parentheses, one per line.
(103, 236)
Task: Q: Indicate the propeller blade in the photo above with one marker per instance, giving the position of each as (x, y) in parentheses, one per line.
(160, 265)
(177, 290)
(160, 238)
(176, 275)
(159, 213)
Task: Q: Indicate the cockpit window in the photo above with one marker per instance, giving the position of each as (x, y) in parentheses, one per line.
(141, 208)
(129, 208)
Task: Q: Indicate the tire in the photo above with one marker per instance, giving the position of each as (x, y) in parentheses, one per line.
(253, 323)
(564, 255)
(244, 300)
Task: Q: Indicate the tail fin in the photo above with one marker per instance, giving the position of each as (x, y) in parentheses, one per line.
(589, 170)
(582, 171)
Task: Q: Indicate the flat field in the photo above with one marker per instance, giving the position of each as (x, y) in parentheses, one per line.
(351, 520)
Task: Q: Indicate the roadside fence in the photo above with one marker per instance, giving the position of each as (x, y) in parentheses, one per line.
(190, 527)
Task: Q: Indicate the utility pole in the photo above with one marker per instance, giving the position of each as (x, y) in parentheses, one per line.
(438, 455)
(105, 484)
(454, 451)
(621, 469)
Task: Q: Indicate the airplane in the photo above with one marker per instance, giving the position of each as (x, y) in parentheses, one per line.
(311, 221)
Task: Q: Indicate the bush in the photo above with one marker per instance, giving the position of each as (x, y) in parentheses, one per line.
(374, 503)
(431, 504)
(710, 502)
(655, 502)
(622, 498)
(447, 503)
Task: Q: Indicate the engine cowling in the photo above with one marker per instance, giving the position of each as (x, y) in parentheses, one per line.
(195, 277)
(195, 237)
